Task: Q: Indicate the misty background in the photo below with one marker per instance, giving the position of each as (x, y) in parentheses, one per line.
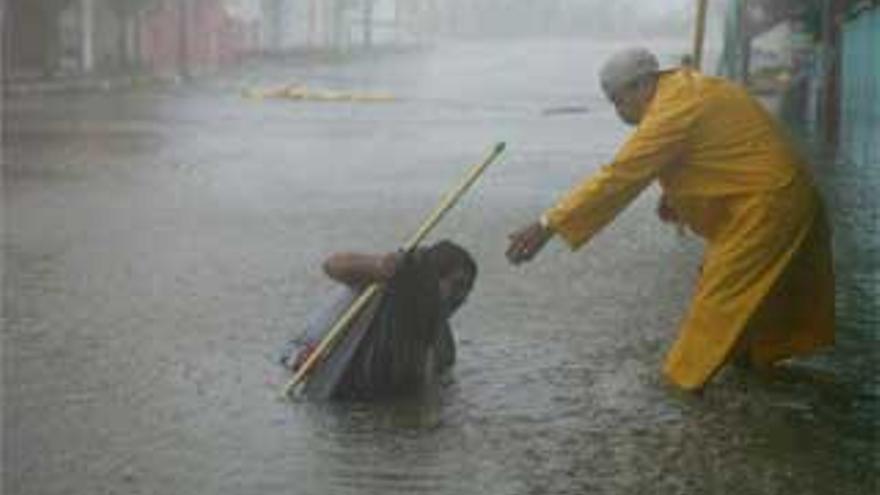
(175, 172)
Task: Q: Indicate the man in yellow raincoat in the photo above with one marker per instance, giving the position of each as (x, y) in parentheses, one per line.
(727, 171)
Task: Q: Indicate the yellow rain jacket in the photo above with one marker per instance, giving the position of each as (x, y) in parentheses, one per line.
(766, 287)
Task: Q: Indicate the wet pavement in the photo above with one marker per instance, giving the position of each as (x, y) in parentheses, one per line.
(161, 244)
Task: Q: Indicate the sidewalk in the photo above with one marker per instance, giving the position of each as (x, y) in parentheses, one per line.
(82, 83)
(851, 194)
(850, 191)
(35, 84)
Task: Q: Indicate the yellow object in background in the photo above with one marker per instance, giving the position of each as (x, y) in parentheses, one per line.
(304, 93)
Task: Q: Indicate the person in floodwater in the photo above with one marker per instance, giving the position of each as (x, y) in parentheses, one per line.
(407, 340)
(727, 172)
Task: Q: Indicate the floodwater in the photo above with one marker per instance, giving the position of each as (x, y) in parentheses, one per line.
(160, 245)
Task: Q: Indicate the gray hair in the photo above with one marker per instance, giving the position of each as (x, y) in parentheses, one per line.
(627, 67)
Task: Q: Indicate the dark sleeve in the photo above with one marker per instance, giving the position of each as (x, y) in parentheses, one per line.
(445, 346)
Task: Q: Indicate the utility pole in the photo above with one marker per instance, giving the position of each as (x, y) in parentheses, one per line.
(368, 23)
(87, 24)
(745, 42)
(183, 40)
(699, 33)
(4, 44)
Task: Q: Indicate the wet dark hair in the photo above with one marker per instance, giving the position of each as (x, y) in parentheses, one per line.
(392, 358)
(447, 256)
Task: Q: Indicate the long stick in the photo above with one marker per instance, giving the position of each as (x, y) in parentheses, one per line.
(699, 33)
(342, 323)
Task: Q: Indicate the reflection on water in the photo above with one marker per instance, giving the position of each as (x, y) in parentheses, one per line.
(161, 244)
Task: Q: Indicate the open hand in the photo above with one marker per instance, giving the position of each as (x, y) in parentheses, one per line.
(526, 242)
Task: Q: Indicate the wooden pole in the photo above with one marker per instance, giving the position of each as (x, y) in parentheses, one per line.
(831, 92)
(699, 33)
(361, 302)
(745, 50)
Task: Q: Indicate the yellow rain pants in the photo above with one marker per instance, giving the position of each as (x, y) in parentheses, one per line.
(766, 287)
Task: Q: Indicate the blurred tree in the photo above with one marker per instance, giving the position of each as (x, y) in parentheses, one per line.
(128, 12)
(31, 35)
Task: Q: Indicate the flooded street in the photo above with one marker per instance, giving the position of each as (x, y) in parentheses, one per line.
(161, 244)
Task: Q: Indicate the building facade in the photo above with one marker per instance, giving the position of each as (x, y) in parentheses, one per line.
(828, 61)
(60, 38)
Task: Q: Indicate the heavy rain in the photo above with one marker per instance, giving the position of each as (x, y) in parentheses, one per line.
(174, 174)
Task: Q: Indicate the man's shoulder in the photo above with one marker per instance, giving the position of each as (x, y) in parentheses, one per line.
(697, 90)
(686, 80)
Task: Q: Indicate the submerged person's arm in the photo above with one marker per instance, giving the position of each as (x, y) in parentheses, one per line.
(358, 269)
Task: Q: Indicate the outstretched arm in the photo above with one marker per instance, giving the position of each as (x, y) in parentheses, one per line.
(662, 138)
(526, 242)
(358, 269)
